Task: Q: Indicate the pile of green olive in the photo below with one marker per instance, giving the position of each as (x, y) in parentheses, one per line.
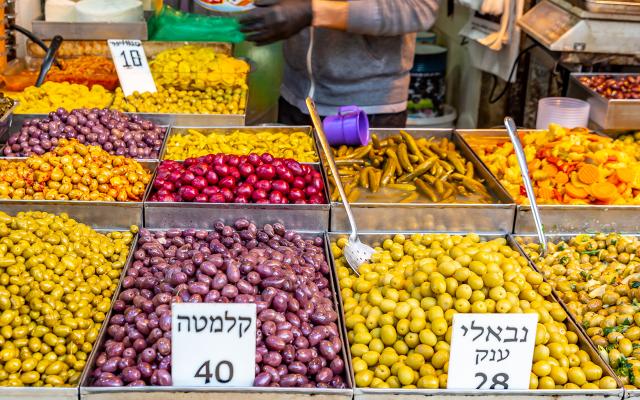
(56, 284)
(598, 278)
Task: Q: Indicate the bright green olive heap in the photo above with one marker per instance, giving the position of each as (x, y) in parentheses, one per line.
(598, 278)
(56, 282)
(399, 311)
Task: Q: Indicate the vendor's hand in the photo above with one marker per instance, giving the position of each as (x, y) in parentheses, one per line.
(274, 20)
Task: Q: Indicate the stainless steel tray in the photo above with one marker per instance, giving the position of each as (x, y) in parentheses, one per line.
(455, 217)
(607, 114)
(97, 214)
(182, 129)
(161, 120)
(46, 30)
(561, 218)
(236, 393)
(612, 7)
(64, 393)
(418, 394)
(299, 217)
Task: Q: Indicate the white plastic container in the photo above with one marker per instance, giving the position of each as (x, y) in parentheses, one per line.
(226, 5)
(564, 111)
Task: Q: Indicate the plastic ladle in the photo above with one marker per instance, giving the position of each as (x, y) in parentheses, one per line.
(524, 169)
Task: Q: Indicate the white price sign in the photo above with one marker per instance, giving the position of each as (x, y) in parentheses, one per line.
(132, 66)
(491, 351)
(213, 344)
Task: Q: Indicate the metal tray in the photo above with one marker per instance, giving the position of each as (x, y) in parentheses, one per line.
(161, 120)
(583, 333)
(182, 129)
(607, 114)
(454, 217)
(46, 30)
(418, 394)
(299, 217)
(560, 218)
(612, 7)
(236, 393)
(65, 393)
(97, 214)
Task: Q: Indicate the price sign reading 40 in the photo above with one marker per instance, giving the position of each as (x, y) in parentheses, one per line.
(492, 351)
(132, 66)
(213, 344)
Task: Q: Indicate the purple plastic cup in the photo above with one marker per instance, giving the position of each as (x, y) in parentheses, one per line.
(349, 127)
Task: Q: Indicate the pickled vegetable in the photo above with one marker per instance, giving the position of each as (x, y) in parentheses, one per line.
(58, 277)
(5, 104)
(598, 278)
(392, 168)
(53, 95)
(191, 144)
(399, 311)
(84, 70)
(73, 171)
(191, 79)
(570, 166)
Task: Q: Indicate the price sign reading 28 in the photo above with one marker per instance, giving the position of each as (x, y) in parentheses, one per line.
(491, 351)
(213, 344)
(132, 66)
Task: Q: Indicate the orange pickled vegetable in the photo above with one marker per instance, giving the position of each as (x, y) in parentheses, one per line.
(604, 191)
(588, 174)
(626, 174)
(576, 192)
(561, 178)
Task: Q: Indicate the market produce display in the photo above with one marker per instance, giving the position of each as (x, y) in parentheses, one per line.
(73, 171)
(193, 143)
(58, 278)
(192, 79)
(114, 132)
(286, 276)
(597, 277)
(54, 95)
(398, 312)
(84, 70)
(614, 87)
(224, 178)
(404, 169)
(570, 166)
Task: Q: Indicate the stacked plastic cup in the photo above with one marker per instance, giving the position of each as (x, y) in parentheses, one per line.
(564, 111)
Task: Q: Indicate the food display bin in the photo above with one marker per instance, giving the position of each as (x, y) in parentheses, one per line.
(607, 114)
(560, 218)
(496, 217)
(445, 394)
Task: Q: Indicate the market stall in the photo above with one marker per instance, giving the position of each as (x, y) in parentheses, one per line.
(153, 246)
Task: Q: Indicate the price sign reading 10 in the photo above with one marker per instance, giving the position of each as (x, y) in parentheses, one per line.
(213, 344)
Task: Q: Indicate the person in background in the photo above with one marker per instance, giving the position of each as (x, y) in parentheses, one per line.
(356, 52)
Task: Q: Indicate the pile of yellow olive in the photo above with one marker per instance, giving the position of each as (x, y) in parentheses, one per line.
(56, 284)
(598, 278)
(73, 171)
(399, 311)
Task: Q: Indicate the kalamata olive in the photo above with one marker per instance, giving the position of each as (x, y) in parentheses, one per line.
(272, 358)
(337, 366)
(108, 381)
(324, 375)
(314, 365)
(163, 346)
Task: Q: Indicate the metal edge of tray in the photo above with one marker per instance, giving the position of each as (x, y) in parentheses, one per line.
(199, 120)
(566, 218)
(539, 394)
(561, 218)
(66, 393)
(162, 121)
(461, 217)
(581, 331)
(608, 114)
(298, 217)
(46, 30)
(179, 130)
(224, 393)
(99, 214)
